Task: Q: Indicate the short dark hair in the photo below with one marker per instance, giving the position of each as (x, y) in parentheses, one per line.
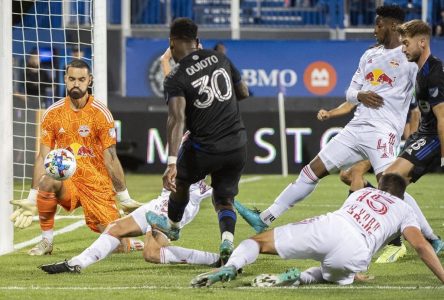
(78, 63)
(391, 11)
(415, 27)
(184, 29)
(394, 184)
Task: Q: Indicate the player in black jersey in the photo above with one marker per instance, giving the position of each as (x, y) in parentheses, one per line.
(424, 150)
(202, 92)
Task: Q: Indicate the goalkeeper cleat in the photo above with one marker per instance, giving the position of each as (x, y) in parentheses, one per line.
(136, 245)
(288, 278)
(162, 224)
(60, 267)
(42, 248)
(222, 274)
(130, 205)
(251, 216)
(391, 254)
(225, 250)
(437, 245)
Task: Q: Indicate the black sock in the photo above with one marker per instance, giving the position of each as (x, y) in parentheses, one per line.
(176, 210)
(396, 241)
(227, 220)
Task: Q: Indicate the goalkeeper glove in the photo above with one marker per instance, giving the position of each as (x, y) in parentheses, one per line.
(128, 205)
(22, 216)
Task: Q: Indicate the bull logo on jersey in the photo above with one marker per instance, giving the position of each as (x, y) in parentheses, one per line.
(379, 77)
(80, 151)
(84, 130)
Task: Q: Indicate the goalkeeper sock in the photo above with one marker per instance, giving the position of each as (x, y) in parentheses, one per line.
(293, 193)
(49, 235)
(246, 253)
(174, 254)
(100, 249)
(47, 206)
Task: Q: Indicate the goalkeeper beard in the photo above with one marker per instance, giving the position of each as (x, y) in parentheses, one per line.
(76, 93)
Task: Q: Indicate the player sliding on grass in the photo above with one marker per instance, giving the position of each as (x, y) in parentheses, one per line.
(157, 248)
(344, 241)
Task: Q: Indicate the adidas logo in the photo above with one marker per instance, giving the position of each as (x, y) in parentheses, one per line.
(61, 130)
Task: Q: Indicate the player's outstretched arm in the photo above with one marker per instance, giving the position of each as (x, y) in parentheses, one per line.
(342, 110)
(425, 251)
(115, 171)
(26, 208)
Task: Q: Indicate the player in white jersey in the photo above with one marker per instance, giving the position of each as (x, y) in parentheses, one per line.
(157, 248)
(383, 84)
(344, 241)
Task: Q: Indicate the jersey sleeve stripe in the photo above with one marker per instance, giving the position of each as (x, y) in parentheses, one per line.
(52, 107)
(104, 110)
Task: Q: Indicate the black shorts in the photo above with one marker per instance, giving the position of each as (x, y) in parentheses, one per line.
(225, 168)
(424, 152)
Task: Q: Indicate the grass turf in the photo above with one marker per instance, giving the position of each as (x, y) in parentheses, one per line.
(127, 276)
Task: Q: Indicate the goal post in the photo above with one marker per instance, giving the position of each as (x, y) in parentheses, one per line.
(6, 161)
(44, 37)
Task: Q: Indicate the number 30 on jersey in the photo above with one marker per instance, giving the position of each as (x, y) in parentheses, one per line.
(211, 88)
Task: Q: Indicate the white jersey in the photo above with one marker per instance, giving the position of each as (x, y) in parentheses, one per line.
(377, 215)
(387, 73)
(198, 192)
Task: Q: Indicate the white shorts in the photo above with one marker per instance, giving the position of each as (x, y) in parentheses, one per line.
(329, 239)
(355, 143)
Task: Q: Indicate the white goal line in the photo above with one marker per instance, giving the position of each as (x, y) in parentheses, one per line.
(311, 287)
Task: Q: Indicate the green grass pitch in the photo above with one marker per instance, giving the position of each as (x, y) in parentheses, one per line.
(128, 276)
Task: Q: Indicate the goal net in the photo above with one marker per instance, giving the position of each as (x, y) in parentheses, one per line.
(46, 36)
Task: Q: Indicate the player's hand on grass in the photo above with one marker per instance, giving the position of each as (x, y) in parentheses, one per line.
(127, 204)
(370, 99)
(169, 178)
(323, 115)
(25, 210)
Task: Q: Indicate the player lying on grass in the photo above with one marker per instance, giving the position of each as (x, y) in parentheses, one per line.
(157, 248)
(354, 177)
(344, 241)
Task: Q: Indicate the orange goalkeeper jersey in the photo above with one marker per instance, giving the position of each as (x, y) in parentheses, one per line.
(86, 133)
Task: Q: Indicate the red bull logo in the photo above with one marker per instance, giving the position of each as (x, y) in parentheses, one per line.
(378, 77)
(80, 151)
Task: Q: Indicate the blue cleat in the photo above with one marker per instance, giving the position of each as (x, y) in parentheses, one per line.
(437, 245)
(222, 274)
(288, 278)
(162, 224)
(251, 216)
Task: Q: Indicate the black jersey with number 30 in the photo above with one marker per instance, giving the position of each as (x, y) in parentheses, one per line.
(206, 80)
(429, 92)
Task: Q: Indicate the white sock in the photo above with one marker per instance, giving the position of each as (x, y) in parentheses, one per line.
(100, 249)
(226, 235)
(48, 234)
(293, 193)
(426, 229)
(311, 276)
(244, 254)
(179, 255)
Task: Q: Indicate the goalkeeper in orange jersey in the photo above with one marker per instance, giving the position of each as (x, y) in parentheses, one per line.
(83, 125)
